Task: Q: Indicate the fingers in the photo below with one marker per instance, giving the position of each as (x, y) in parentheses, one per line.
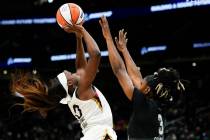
(125, 34)
(69, 29)
(77, 29)
(100, 22)
(122, 34)
(116, 41)
(103, 18)
(103, 21)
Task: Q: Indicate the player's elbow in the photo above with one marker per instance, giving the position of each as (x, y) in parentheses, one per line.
(118, 70)
(96, 54)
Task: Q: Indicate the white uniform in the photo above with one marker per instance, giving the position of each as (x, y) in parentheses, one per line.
(94, 115)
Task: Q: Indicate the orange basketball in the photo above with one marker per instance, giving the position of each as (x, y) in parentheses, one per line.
(69, 14)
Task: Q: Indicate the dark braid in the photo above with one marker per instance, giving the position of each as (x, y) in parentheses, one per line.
(165, 84)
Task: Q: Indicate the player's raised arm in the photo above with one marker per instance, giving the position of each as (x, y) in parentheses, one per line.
(91, 67)
(116, 61)
(81, 61)
(133, 70)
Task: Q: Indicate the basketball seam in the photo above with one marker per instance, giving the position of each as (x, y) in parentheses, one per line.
(64, 19)
(69, 21)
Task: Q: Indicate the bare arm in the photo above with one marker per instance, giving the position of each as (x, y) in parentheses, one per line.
(87, 70)
(91, 68)
(81, 61)
(116, 61)
(132, 69)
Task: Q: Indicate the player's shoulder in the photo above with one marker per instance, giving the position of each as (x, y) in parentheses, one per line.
(138, 95)
(137, 92)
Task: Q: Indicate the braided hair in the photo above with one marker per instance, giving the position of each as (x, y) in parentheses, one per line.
(165, 85)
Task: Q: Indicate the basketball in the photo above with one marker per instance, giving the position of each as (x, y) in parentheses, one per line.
(69, 14)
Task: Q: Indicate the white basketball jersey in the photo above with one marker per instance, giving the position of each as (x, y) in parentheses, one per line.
(94, 115)
(92, 112)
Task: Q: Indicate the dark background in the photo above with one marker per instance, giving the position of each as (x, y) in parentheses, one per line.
(178, 29)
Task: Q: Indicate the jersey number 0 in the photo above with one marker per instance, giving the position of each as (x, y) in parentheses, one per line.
(77, 111)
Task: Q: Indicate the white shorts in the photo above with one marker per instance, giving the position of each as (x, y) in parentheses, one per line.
(99, 133)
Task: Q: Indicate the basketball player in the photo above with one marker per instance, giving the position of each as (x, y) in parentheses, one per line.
(85, 101)
(146, 122)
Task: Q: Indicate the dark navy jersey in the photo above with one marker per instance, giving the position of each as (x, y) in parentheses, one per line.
(145, 121)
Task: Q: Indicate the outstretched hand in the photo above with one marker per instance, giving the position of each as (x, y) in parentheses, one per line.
(77, 29)
(105, 27)
(121, 41)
